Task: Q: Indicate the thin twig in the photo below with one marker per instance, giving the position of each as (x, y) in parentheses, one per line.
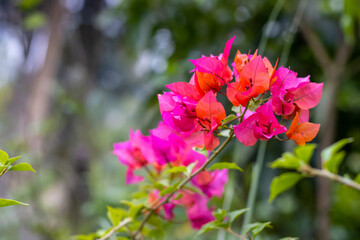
(326, 174)
(316, 46)
(232, 120)
(236, 234)
(116, 228)
(5, 170)
(260, 158)
(183, 183)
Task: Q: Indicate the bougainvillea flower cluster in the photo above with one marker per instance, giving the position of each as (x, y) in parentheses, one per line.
(193, 119)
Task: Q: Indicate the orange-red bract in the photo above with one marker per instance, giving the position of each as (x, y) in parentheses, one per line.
(210, 113)
(253, 80)
(209, 109)
(303, 132)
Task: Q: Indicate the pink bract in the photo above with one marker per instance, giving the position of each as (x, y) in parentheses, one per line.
(261, 125)
(290, 93)
(211, 183)
(135, 153)
(196, 209)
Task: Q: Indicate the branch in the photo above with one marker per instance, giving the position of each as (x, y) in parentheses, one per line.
(235, 234)
(183, 183)
(316, 46)
(5, 170)
(115, 229)
(326, 174)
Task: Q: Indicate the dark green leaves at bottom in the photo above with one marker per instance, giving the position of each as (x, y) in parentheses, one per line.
(282, 183)
(9, 202)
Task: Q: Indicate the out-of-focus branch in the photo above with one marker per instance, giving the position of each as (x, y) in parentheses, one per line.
(329, 175)
(38, 102)
(121, 224)
(332, 69)
(316, 46)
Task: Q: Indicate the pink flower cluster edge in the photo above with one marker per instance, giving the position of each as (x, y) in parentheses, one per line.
(192, 117)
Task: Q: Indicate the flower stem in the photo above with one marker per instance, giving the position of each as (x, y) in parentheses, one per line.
(116, 228)
(236, 234)
(183, 183)
(255, 182)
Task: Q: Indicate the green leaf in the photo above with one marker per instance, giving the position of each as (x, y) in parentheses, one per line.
(253, 105)
(157, 233)
(2, 168)
(290, 238)
(4, 157)
(155, 221)
(35, 20)
(159, 186)
(179, 196)
(228, 118)
(287, 160)
(219, 215)
(225, 165)
(29, 4)
(12, 160)
(282, 183)
(176, 169)
(207, 228)
(256, 228)
(305, 152)
(22, 167)
(334, 164)
(91, 236)
(190, 167)
(331, 156)
(115, 215)
(169, 189)
(138, 195)
(9, 202)
(134, 207)
(224, 133)
(134, 210)
(357, 178)
(232, 216)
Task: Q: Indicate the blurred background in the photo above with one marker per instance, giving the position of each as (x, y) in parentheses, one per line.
(75, 75)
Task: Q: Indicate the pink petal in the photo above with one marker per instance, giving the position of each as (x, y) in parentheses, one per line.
(285, 79)
(308, 95)
(211, 142)
(225, 55)
(131, 178)
(303, 115)
(197, 210)
(185, 89)
(244, 132)
(282, 108)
